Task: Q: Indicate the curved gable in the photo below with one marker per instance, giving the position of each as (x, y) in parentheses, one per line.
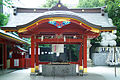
(73, 17)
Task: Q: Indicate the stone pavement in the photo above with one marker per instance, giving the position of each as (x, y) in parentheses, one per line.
(6, 71)
(94, 73)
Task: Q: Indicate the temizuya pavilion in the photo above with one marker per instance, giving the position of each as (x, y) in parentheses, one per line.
(62, 24)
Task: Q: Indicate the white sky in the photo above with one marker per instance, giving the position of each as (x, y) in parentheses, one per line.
(36, 3)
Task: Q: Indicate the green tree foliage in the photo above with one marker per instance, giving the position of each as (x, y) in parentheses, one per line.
(50, 3)
(7, 3)
(3, 19)
(90, 3)
(113, 9)
(96, 41)
(73, 49)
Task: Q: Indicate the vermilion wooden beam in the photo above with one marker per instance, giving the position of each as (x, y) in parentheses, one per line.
(32, 51)
(47, 20)
(5, 56)
(37, 63)
(57, 41)
(73, 62)
(49, 34)
(59, 31)
(49, 62)
(80, 55)
(93, 34)
(37, 23)
(44, 62)
(81, 24)
(2, 42)
(9, 41)
(85, 51)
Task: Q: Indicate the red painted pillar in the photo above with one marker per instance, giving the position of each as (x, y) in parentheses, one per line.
(5, 56)
(85, 53)
(32, 54)
(37, 59)
(80, 58)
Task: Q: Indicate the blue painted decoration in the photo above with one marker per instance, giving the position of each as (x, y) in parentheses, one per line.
(59, 24)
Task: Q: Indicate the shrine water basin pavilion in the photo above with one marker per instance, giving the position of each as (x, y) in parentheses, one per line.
(62, 24)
